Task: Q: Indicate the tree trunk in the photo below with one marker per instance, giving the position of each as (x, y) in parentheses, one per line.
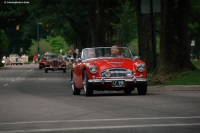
(99, 22)
(145, 37)
(175, 44)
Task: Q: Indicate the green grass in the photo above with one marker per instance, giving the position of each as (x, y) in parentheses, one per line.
(197, 64)
(187, 78)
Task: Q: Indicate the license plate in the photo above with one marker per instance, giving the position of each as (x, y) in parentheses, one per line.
(118, 83)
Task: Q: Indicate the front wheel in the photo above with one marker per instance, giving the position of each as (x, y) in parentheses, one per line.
(46, 71)
(75, 90)
(64, 70)
(142, 89)
(87, 87)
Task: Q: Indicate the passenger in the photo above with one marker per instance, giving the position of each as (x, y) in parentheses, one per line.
(91, 53)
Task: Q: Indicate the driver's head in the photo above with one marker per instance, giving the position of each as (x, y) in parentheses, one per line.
(114, 50)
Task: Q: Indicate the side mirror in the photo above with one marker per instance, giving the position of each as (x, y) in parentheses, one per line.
(136, 57)
(79, 59)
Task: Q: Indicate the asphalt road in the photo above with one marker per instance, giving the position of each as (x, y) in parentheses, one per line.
(32, 101)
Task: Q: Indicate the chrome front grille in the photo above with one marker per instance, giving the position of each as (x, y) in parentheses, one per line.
(55, 63)
(115, 73)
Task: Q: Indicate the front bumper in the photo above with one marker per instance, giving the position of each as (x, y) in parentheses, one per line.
(55, 68)
(133, 80)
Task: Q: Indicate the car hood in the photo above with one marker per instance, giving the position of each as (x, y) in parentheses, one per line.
(106, 63)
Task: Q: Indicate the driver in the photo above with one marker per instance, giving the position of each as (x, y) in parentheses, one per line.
(115, 51)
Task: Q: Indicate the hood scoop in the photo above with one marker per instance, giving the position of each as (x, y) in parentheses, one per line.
(115, 63)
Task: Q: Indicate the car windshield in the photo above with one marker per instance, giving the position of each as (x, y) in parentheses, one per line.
(51, 56)
(14, 55)
(106, 52)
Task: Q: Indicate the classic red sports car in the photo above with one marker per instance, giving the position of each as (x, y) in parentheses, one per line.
(55, 63)
(101, 69)
(42, 61)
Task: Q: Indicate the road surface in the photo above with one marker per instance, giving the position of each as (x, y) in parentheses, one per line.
(32, 101)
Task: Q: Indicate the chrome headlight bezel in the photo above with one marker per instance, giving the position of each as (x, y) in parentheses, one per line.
(129, 73)
(141, 67)
(93, 69)
(107, 73)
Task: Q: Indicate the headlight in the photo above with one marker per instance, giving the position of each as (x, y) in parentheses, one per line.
(93, 69)
(141, 67)
(129, 73)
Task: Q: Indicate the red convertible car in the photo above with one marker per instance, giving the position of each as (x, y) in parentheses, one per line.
(43, 60)
(99, 69)
(55, 63)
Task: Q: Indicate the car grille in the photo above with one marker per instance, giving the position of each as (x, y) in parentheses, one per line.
(116, 73)
(55, 63)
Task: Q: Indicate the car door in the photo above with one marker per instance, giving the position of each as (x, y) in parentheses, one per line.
(77, 73)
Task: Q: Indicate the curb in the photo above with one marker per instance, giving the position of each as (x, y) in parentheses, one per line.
(171, 88)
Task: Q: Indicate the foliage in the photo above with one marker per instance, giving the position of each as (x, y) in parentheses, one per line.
(1, 64)
(12, 15)
(133, 45)
(194, 26)
(44, 47)
(57, 43)
(4, 43)
(125, 30)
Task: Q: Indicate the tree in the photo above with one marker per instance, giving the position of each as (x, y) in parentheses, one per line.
(194, 27)
(126, 29)
(57, 44)
(44, 47)
(145, 36)
(12, 15)
(4, 43)
(175, 45)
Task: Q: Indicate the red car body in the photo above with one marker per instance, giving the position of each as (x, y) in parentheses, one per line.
(54, 63)
(42, 61)
(104, 72)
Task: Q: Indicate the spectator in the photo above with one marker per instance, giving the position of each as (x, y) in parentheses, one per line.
(74, 55)
(34, 59)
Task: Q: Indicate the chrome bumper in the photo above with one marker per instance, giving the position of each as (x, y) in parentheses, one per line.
(105, 80)
(55, 68)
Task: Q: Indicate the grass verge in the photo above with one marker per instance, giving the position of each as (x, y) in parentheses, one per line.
(187, 78)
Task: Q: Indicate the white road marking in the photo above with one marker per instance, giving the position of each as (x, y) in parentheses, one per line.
(5, 85)
(100, 127)
(97, 120)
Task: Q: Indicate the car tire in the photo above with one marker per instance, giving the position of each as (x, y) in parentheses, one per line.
(86, 85)
(142, 89)
(75, 90)
(46, 71)
(64, 70)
